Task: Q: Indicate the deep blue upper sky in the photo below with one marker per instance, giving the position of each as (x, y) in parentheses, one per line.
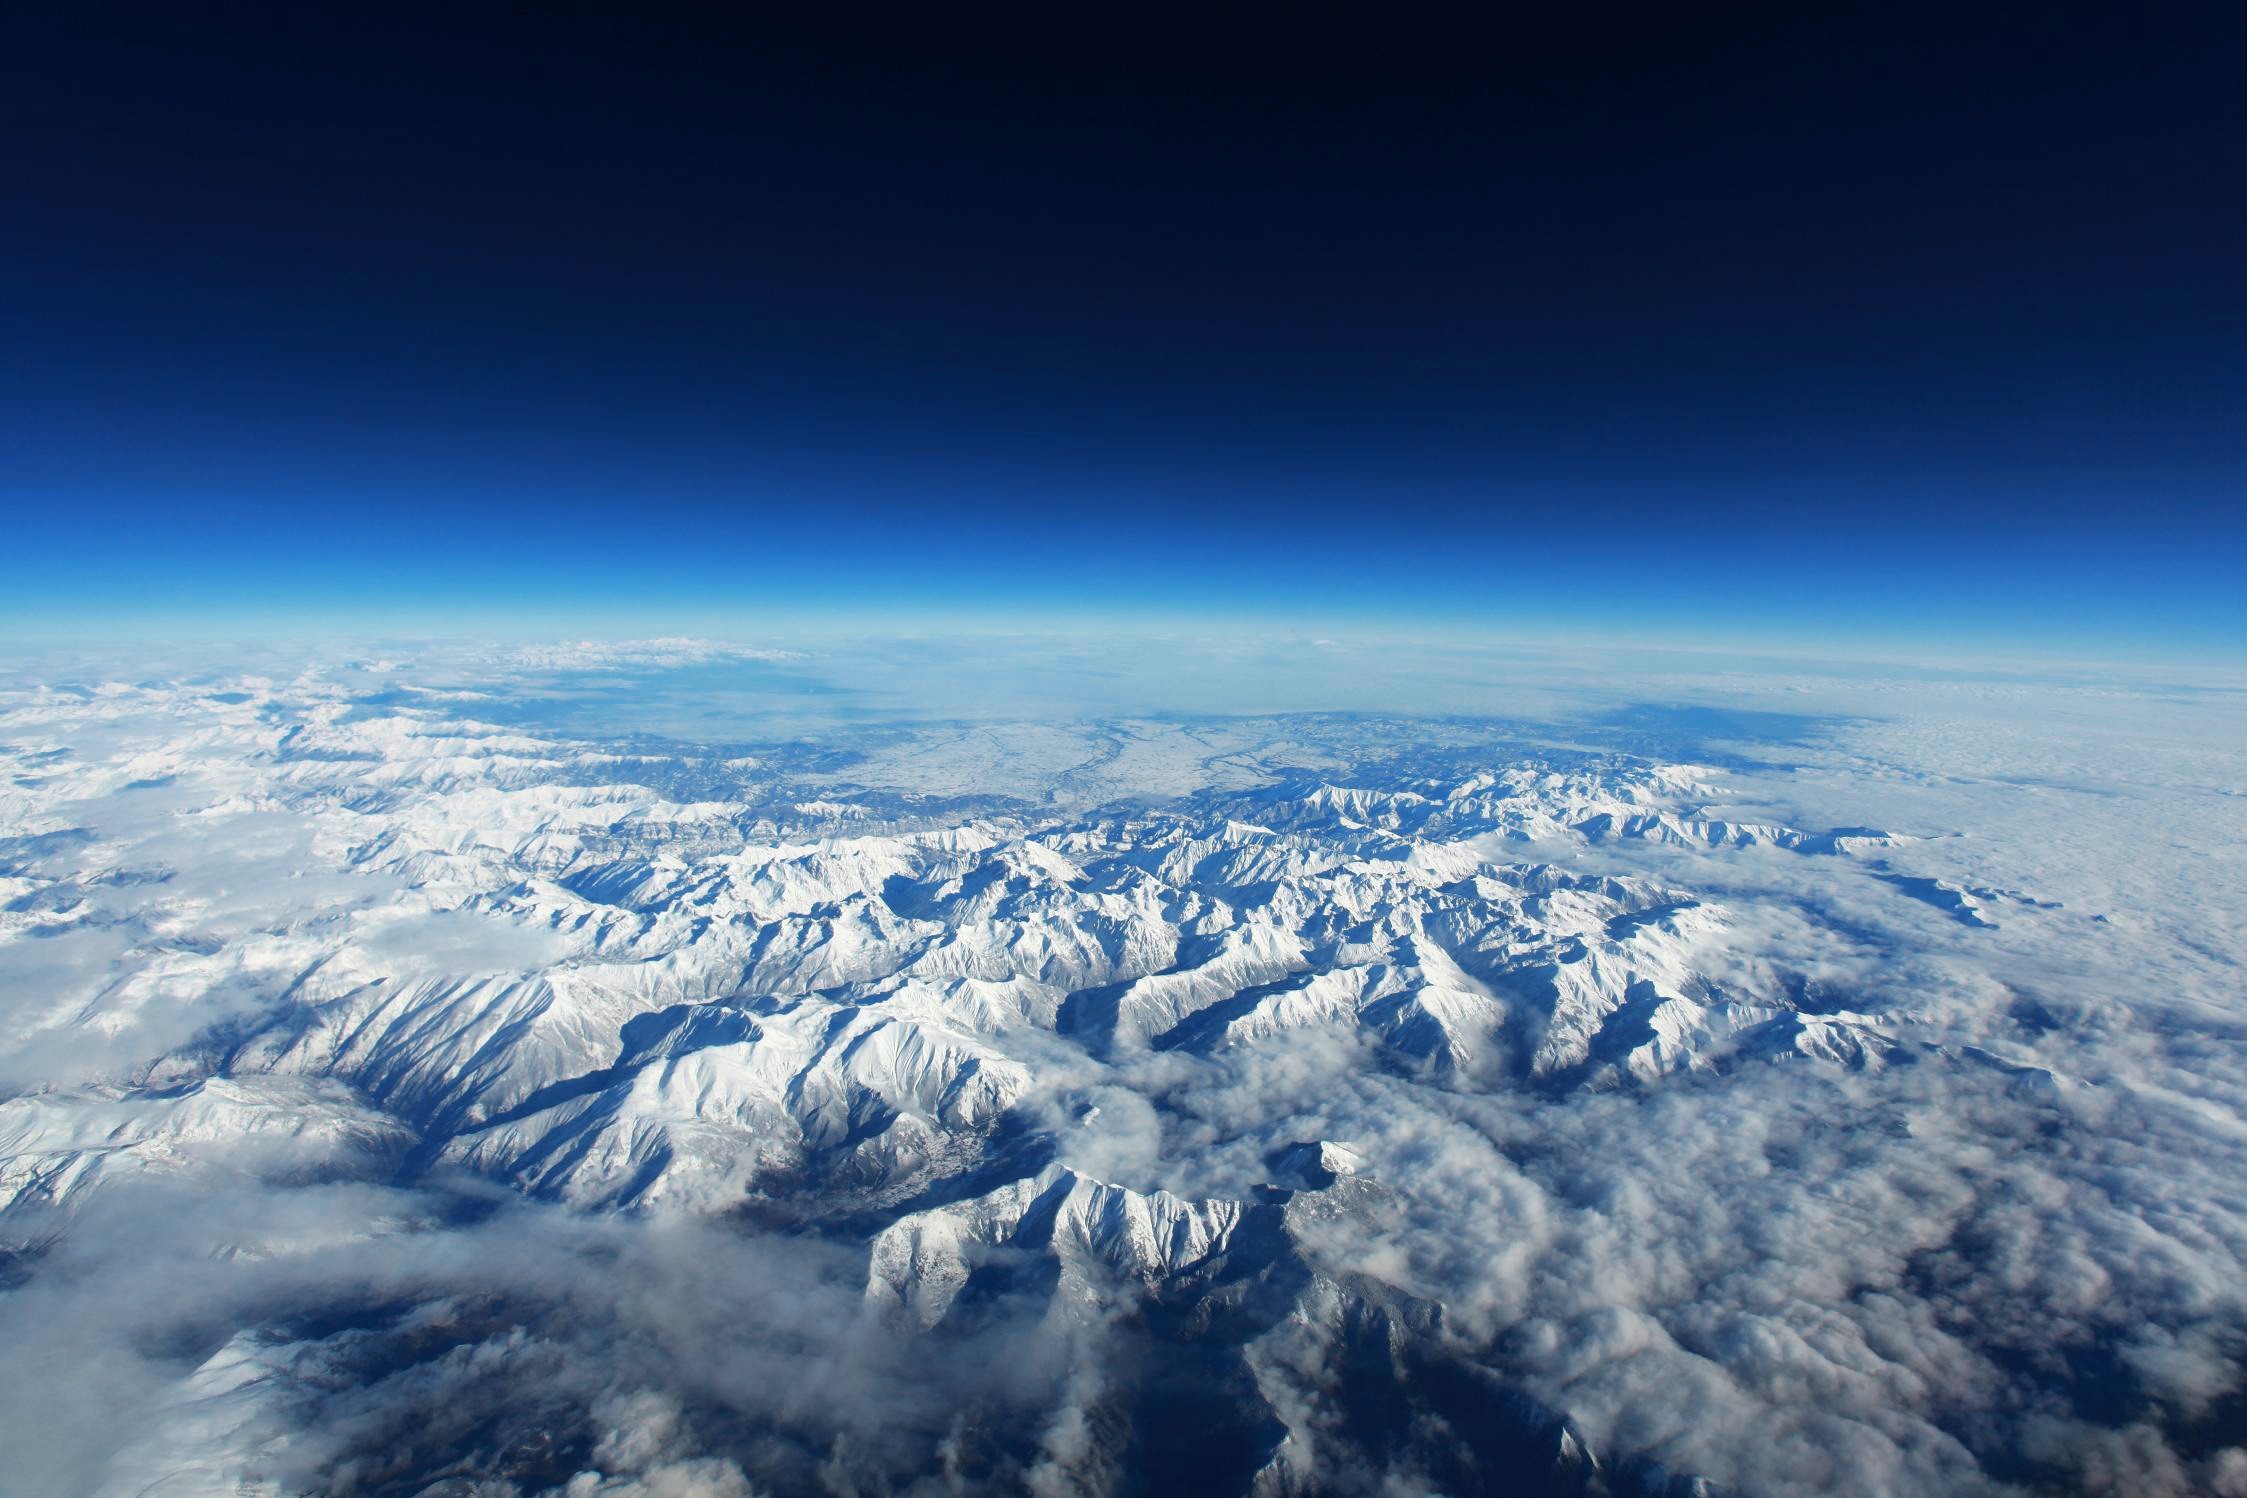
(1909, 325)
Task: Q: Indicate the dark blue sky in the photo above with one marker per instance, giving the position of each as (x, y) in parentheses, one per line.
(1897, 324)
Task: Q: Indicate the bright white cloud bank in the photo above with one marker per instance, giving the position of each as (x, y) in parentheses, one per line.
(394, 1091)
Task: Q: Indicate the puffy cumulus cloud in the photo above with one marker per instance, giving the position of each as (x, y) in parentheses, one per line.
(1844, 1194)
(645, 1452)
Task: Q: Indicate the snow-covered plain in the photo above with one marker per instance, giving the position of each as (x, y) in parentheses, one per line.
(1809, 1084)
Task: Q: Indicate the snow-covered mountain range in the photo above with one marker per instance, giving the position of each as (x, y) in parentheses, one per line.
(1278, 1105)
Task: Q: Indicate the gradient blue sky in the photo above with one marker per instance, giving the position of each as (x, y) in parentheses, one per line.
(1899, 329)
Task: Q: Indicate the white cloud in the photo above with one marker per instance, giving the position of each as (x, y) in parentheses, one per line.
(636, 655)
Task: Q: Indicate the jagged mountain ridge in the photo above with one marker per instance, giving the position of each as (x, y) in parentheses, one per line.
(859, 993)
